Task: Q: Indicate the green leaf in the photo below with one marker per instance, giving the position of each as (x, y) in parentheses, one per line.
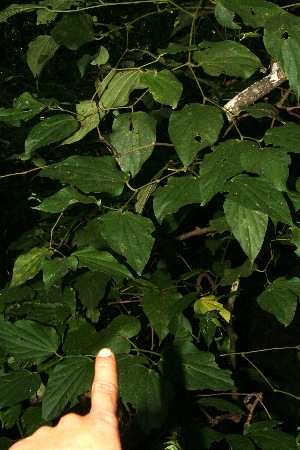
(78, 334)
(238, 442)
(225, 17)
(253, 12)
(231, 275)
(17, 386)
(14, 9)
(50, 130)
(274, 440)
(164, 86)
(221, 405)
(194, 369)
(220, 165)
(178, 192)
(91, 235)
(27, 265)
(258, 195)
(32, 420)
(146, 390)
(89, 174)
(280, 298)
(129, 235)
(74, 30)
(62, 199)
(227, 57)
(286, 136)
(194, 128)
(50, 313)
(262, 110)
(133, 137)
(45, 16)
(101, 261)
(91, 288)
(39, 52)
(69, 379)
(282, 40)
(10, 415)
(143, 196)
(29, 341)
(24, 108)
(272, 164)
(57, 268)
(115, 89)
(248, 227)
(88, 117)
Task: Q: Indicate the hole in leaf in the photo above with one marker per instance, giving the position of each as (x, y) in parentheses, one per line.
(252, 12)
(285, 35)
(198, 138)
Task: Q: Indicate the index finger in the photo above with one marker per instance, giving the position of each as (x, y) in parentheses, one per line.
(105, 385)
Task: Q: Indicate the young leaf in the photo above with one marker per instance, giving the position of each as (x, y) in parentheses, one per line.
(50, 130)
(62, 199)
(281, 40)
(194, 128)
(74, 30)
(129, 235)
(29, 341)
(164, 86)
(89, 174)
(17, 386)
(208, 303)
(227, 57)
(249, 227)
(280, 298)
(194, 369)
(39, 52)
(178, 192)
(69, 379)
(258, 195)
(27, 265)
(101, 261)
(133, 137)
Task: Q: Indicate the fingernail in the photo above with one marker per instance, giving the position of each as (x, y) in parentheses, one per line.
(104, 352)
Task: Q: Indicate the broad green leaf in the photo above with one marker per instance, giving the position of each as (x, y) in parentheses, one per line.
(115, 336)
(274, 440)
(258, 195)
(248, 227)
(178, 192)
(15, 9)
(282, 40)
(74, 30)
(57, 268)
(27, 265)
(220, 165)
(69, 379)
(133, 136)
(115, 89)
(262, 110)
(238, 442)
(164, 86)
(271, 164)
(101, 57)
(280, 298)
(174, 48)
(91, 235)
(209, 303)
(45, 16)
(286, 136)
(101, 261)
(39, 52)
(62, 199)
(50, 130)
(146, 390)
(129, 235)
(253, 12)
(17, 386)
(91, 288)
(78, 334)
(24, 108)
(194, 369)
(227, 57)
(194, 128)
(50, 313)
(29, 341)
(232, 275)
(10, 415)
(88, 117)
(89, 174)
(161, 308)
(225, 17)
(32, 420)
(221, 405)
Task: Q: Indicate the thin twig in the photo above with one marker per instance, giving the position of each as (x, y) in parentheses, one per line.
(196, 232)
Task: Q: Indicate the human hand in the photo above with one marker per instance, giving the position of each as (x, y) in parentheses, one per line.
(98, 430)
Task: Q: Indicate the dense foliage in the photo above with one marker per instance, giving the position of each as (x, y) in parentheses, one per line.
(150, 184)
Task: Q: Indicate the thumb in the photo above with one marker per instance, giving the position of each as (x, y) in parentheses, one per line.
(105, 385)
